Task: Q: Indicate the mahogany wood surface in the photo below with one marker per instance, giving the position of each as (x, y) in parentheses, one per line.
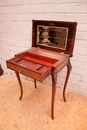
(39, 64)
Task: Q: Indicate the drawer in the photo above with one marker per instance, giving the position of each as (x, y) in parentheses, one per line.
(31, 69)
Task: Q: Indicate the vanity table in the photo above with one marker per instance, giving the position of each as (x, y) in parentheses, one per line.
(52, 47)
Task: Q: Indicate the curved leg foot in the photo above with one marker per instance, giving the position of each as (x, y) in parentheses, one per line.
(20, 98)
(52, 117)
(65, 100)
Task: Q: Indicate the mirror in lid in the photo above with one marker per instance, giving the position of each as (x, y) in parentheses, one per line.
(55, 37)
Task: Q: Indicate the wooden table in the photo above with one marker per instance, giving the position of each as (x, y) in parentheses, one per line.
(39, 64)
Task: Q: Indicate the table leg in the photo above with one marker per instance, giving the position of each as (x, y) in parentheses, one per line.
(35, 83)
(54, 82)
(69, 67)
(20, 84)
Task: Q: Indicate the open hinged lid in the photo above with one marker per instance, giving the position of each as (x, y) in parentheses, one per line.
(57, 36)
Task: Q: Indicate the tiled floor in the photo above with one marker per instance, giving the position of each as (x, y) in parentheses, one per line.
(33, 111)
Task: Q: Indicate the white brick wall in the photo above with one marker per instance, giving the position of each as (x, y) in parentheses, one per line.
(16, 33)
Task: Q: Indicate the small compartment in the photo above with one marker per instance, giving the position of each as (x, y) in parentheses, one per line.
(37, 58)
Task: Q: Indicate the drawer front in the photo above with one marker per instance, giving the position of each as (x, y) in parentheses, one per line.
(40, 76)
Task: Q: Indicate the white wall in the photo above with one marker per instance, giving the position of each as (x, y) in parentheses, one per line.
(16, 32)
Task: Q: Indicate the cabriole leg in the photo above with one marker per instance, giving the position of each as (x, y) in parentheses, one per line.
(69, 67)
(54, 81)
(20, 84)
